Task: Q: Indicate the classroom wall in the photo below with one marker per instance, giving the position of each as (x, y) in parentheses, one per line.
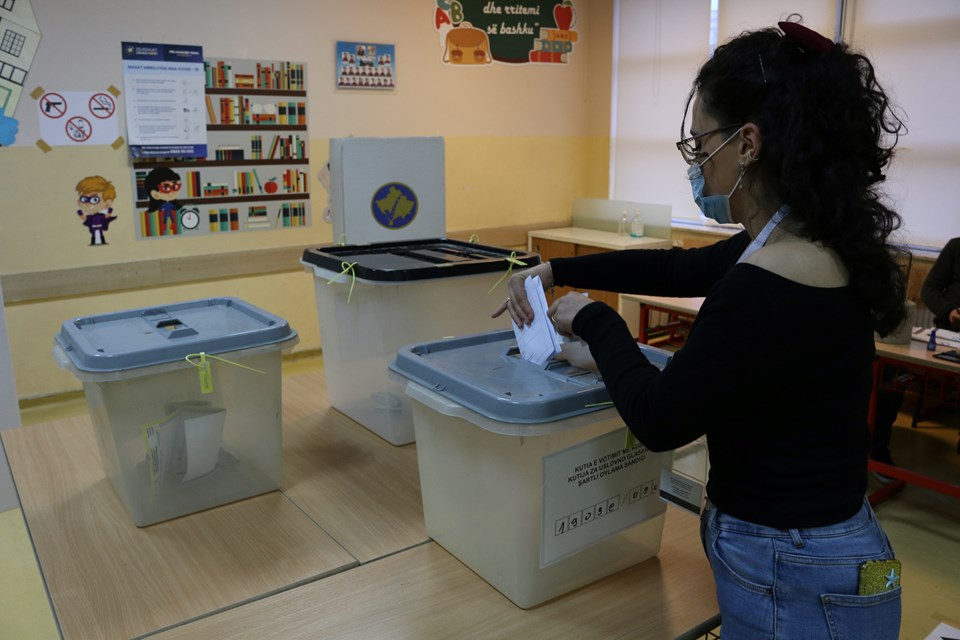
(521, 143)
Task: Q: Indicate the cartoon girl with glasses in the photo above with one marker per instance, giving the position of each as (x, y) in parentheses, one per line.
(96, 194)
(163, 185)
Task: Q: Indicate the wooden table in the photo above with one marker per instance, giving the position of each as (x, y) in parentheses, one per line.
(636, 309)
(427, 593)
(911, 356)
(568, 242)
(340, 552)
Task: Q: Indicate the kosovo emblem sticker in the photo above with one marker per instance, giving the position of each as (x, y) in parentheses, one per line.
(394, 205)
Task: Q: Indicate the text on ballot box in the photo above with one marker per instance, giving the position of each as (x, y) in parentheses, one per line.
(595, 489)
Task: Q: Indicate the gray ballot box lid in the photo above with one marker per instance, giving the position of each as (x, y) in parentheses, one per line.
(138, 338)
(485, 373)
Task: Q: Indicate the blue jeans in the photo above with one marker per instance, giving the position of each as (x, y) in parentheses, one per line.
(798, 584)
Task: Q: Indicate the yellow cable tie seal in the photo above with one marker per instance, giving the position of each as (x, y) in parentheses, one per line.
(474, 239)
(631, 440)
(347, 268)
(206, 373)
(513, 260)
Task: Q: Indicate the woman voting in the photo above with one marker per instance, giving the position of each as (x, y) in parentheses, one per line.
(789, 136)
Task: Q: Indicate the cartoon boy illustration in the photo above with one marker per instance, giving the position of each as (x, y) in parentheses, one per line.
(96, 194)
(163, 185)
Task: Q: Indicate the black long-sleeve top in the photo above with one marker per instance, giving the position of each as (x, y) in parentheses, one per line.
(777, 374)
(941, 289)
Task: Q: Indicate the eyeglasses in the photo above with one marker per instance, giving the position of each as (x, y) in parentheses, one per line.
(90, 199)
(168, 187)
(690, 148)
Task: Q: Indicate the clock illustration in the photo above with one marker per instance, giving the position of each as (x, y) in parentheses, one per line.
(189, 218)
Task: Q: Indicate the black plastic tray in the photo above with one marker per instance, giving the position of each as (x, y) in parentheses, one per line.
(417, 259)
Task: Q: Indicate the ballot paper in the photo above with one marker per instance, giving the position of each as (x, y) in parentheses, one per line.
(944, 337)
(539, 341)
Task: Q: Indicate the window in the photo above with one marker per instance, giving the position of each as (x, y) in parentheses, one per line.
(12, 43)
(660, 45)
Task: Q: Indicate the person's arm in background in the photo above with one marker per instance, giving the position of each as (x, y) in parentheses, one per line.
(941, 289)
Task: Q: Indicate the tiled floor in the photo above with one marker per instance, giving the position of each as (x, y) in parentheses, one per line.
(924, 528)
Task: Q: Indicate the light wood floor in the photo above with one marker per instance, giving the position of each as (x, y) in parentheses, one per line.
(924, 528)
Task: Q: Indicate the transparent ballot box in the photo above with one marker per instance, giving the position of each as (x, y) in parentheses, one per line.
(372, 299)
(185, 401)
(527, 473)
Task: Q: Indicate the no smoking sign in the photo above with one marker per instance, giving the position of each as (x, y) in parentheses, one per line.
(72, 118)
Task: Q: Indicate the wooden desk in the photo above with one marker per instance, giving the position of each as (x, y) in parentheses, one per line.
(427, 593)
(348, 498)
(911, 356)
(567, 242)
(636, 309)
(362, 490)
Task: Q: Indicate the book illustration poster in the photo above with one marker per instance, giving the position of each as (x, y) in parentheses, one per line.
(255, 173)
(366, 65)
(480, 32)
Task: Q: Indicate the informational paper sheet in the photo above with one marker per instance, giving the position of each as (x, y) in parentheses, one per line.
(944, 632)
(165, 101)
(70, 118)
(944, 337)
(539, 341)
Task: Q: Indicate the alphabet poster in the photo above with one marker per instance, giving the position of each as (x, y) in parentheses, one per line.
(480, 32)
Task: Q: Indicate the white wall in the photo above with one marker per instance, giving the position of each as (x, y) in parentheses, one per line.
(430, 99)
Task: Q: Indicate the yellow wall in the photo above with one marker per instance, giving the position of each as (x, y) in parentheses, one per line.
(521, 143)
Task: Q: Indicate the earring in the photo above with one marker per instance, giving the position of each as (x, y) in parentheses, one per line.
(750, 155)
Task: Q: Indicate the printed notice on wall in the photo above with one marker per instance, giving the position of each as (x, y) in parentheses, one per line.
(165, 101)
(78, 117)
(594, 490)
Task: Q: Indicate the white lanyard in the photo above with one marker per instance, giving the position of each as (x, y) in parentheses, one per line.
(764, 234)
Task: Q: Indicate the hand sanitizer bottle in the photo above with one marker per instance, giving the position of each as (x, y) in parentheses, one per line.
(622, 229)
(636, 227)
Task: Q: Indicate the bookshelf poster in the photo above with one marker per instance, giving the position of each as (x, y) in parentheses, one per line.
(481, 32)
(255, 174)
(164, 100)
(366, 65)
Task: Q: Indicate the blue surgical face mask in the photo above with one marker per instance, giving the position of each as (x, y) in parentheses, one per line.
(714, 207)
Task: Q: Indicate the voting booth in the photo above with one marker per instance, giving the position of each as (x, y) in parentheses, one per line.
(396, 280)
(185, 401)
(528, 475)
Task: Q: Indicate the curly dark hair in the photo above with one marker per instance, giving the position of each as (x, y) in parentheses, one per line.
(828, 130)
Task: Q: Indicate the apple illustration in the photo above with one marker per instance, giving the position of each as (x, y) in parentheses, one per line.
(271, 185)
(563, 14)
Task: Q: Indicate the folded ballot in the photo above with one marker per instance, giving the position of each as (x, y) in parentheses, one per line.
(539, 341)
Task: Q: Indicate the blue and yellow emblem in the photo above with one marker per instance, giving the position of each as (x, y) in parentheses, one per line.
(394, 205)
